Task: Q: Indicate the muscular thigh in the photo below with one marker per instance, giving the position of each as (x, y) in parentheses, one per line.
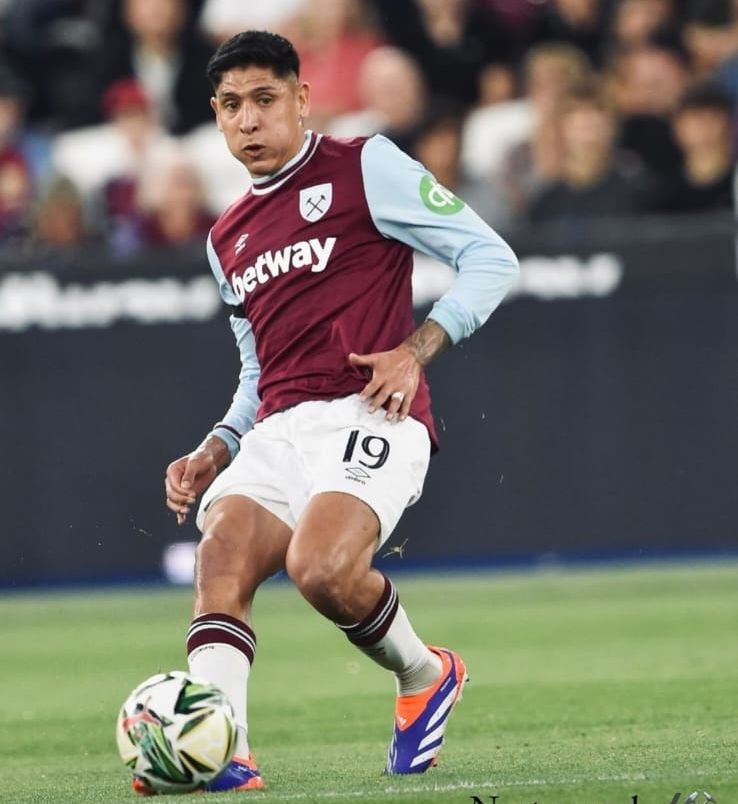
(336, 529)
(330, 555)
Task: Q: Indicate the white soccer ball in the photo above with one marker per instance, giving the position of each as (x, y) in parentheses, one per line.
(177, 732)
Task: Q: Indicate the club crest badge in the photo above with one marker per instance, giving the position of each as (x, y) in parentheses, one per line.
(315, 201)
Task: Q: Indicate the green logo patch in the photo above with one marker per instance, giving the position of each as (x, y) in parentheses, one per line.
(437, 198)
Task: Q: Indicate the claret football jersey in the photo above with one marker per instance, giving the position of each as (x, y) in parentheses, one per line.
(316, 263)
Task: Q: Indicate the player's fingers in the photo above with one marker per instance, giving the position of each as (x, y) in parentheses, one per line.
(370, 390)
(173, 482)
(179, 509)
(361, 360)
(177, 494)
(405, 406)
(176, 469)
(197, 468)
(379, 399)
(188, 479)
(396, 401)
(193, 470)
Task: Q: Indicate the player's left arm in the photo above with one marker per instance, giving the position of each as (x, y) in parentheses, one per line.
(407, 204)
(190, 475)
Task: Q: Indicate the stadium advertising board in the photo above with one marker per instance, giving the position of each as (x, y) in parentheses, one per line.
(597, 417)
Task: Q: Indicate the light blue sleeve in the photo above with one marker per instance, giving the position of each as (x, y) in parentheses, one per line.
(407, 204)
(239, 417)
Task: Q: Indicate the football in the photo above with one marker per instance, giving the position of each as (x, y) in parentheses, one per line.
(176, 732)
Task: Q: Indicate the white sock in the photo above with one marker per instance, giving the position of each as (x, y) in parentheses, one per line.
(387, 637)
(221, 650)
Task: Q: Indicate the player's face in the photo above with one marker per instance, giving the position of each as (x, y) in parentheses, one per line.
(260, 116)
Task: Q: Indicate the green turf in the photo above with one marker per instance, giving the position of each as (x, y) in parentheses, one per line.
(587, 688)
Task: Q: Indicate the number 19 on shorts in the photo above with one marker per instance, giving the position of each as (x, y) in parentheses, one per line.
(374, 447)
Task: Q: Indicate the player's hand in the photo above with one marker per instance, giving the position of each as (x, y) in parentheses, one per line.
(394, 381)
(186, 478)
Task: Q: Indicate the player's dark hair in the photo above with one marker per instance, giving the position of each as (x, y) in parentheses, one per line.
(260, 48)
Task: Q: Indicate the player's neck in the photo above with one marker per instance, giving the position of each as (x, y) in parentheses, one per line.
(291, 162)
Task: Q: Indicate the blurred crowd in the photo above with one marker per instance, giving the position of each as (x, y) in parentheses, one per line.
(530, 110)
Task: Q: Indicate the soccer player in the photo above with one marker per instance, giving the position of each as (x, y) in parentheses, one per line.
(329, 435)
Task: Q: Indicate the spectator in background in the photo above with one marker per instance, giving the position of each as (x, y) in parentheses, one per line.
(518, 19)
(529, 167)
(392, 94)
(497, 84)
(54, 45)
(21, 155)
(466, 50)
(16, 194)
(96, 155)
(648, 84)
(703, 130)
(221, 19)
(171, 203)
(222, 184)
(581, 23)
(30, 146)
(712, 39)
(334, 38)
(437, 145)
(23, 159)
(452, 41)
(59, 216)
(157, 44)
(711, 35)
(637, 23)
(490, 133)
(595, 182)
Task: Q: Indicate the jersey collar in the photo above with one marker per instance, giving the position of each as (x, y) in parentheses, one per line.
(266, 184)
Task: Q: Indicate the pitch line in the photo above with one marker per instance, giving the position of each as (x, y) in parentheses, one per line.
(483, 784)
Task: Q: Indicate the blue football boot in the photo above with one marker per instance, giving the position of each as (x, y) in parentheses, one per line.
(420, 720)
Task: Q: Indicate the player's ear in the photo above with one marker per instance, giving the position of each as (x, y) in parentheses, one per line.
(303, 98)
(214, 107)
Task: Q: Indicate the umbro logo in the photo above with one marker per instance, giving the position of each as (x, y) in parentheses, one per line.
(357, 471)
(240, 243)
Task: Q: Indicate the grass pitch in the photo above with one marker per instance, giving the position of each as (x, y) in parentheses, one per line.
(587, 687)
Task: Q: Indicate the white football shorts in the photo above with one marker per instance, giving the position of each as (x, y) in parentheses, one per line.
(335, 445)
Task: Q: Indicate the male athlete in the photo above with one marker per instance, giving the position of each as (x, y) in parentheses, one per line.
(328, 437)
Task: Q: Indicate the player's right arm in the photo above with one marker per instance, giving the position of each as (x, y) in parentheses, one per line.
(188, 476)
(407, 204)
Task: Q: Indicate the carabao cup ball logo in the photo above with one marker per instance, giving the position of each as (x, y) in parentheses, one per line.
(437, 198)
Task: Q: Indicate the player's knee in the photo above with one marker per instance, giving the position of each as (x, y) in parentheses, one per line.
(321, 581)
(216, 549)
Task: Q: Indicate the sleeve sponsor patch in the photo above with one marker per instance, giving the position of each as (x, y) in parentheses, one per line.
(437, 198)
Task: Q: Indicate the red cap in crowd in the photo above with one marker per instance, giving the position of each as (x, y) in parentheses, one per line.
(125, 95)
